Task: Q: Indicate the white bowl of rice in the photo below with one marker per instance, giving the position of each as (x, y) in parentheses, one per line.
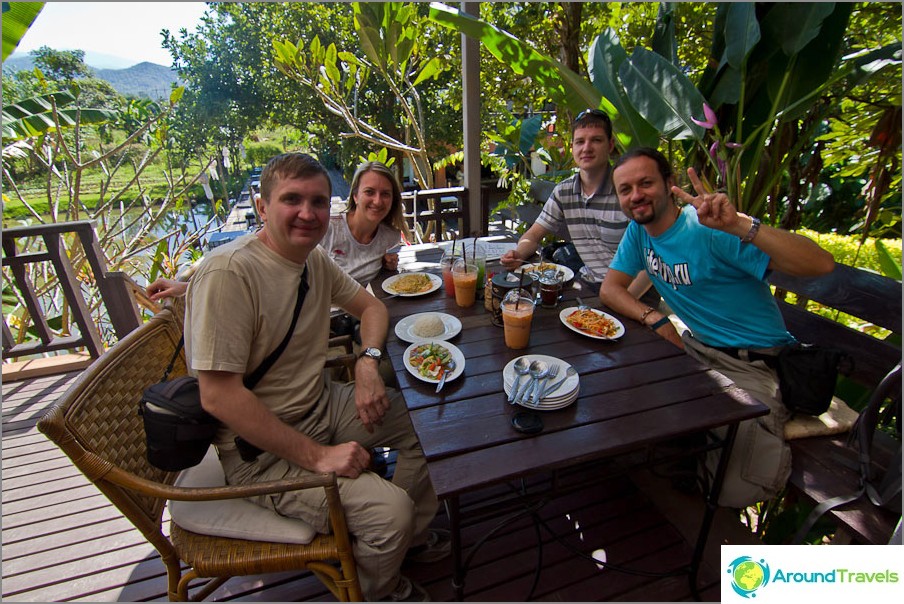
(428, 326)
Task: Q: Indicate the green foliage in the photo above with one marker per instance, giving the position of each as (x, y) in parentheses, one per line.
(889, 262)
(258, 154)
(61, 65)
(849, 250)
(38, 115)
(561, 83)
(17, 18)
(381, 156)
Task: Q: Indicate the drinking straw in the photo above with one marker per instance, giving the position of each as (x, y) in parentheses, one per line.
(520, 287)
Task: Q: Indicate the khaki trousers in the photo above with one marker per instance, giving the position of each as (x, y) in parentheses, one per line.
(760, 461)
(385, 518)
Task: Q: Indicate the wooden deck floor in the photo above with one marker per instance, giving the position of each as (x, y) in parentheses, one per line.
(62, 540)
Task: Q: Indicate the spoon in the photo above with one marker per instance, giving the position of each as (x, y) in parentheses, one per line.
(539, 381)
(581, 305)
(447, 371)
(536, 369)
(521, 367)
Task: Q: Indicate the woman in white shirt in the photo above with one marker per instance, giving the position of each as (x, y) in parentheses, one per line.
(365, 238)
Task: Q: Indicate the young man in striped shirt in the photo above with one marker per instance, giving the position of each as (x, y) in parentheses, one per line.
(583, 209)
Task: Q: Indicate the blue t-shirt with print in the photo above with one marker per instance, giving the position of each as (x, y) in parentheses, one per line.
(711, 280)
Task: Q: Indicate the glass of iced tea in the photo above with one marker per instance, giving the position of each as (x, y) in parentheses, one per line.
(550, 288)
(517, 314)
(446, 263)
(464, 277)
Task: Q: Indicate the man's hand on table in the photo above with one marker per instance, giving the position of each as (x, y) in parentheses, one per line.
(370, 393)
(510, 260)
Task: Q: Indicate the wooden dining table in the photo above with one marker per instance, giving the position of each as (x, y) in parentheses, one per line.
(636, 392)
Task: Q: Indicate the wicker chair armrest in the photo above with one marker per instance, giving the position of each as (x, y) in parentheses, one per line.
(150, 488)
(344, 341)
(343, 360)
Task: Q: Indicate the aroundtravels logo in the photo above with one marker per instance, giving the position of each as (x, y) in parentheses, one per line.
(748, 575)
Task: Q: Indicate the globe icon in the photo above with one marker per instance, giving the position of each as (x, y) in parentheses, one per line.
(748, 575)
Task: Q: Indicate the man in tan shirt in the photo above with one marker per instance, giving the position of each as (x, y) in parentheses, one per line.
(239, 306)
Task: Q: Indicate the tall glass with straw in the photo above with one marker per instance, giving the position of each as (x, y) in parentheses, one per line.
(517, 316)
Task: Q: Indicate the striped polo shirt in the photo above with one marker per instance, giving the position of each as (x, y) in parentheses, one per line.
(595, 226)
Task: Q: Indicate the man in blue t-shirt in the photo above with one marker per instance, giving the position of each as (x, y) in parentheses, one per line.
(709, 263)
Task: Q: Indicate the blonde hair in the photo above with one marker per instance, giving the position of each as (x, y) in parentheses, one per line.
(395, 218)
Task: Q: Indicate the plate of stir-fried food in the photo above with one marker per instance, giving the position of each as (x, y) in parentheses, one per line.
(412, 284)
(592, 323)
(428, 361)
(539, 267)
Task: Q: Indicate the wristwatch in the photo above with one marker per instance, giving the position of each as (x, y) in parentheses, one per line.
(374, 353)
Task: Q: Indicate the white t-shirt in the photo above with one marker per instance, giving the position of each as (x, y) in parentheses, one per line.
(360, 260)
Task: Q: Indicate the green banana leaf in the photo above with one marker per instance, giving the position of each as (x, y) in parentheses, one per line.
(890, 265)
(563, 85)
(17, 18)
(662, 94)
(742, 32)
(606, 56)
(34, 116)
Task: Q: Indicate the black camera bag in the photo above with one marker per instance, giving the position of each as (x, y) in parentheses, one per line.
(178, 430)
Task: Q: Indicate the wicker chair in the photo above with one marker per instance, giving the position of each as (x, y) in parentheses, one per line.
(96, 423)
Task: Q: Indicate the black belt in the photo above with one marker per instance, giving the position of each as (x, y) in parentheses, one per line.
(743, 354)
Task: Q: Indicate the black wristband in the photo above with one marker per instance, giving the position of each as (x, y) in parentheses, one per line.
(659, 323)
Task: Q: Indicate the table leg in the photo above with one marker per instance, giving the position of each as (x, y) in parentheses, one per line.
(453, 511)
(712, 503)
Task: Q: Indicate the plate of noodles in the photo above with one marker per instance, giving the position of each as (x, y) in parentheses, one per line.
(426, 326)
(592, 323)
(412, 284)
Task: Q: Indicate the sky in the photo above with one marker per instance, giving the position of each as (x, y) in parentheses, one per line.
(130, 30)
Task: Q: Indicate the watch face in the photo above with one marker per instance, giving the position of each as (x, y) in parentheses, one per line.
(374, 353)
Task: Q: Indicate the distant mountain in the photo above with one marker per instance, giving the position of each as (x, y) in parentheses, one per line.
(148, 80)
(142, 80)
(18, 62)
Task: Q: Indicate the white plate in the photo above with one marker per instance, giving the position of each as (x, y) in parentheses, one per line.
(403, 328)
(435, 284)
(566, 392)
(567, 272)
(457, 356)
(567, 312)
(546, 405)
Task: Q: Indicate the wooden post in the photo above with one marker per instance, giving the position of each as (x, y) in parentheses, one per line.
(470, 108)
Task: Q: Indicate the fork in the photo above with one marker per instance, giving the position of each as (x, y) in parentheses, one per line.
(553, 372)
(568, 373)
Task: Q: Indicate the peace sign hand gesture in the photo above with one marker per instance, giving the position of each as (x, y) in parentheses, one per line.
(714, 210)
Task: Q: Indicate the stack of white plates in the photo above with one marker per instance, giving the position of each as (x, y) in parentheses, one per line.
(566, 394)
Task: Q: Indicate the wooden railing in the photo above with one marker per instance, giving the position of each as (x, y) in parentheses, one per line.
(115, 289)
(430, 211)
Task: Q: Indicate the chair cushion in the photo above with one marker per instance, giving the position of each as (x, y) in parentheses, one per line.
(837, 419)
(232, 518)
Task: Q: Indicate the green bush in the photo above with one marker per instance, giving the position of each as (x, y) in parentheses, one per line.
(846, 249)
(259, 154)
